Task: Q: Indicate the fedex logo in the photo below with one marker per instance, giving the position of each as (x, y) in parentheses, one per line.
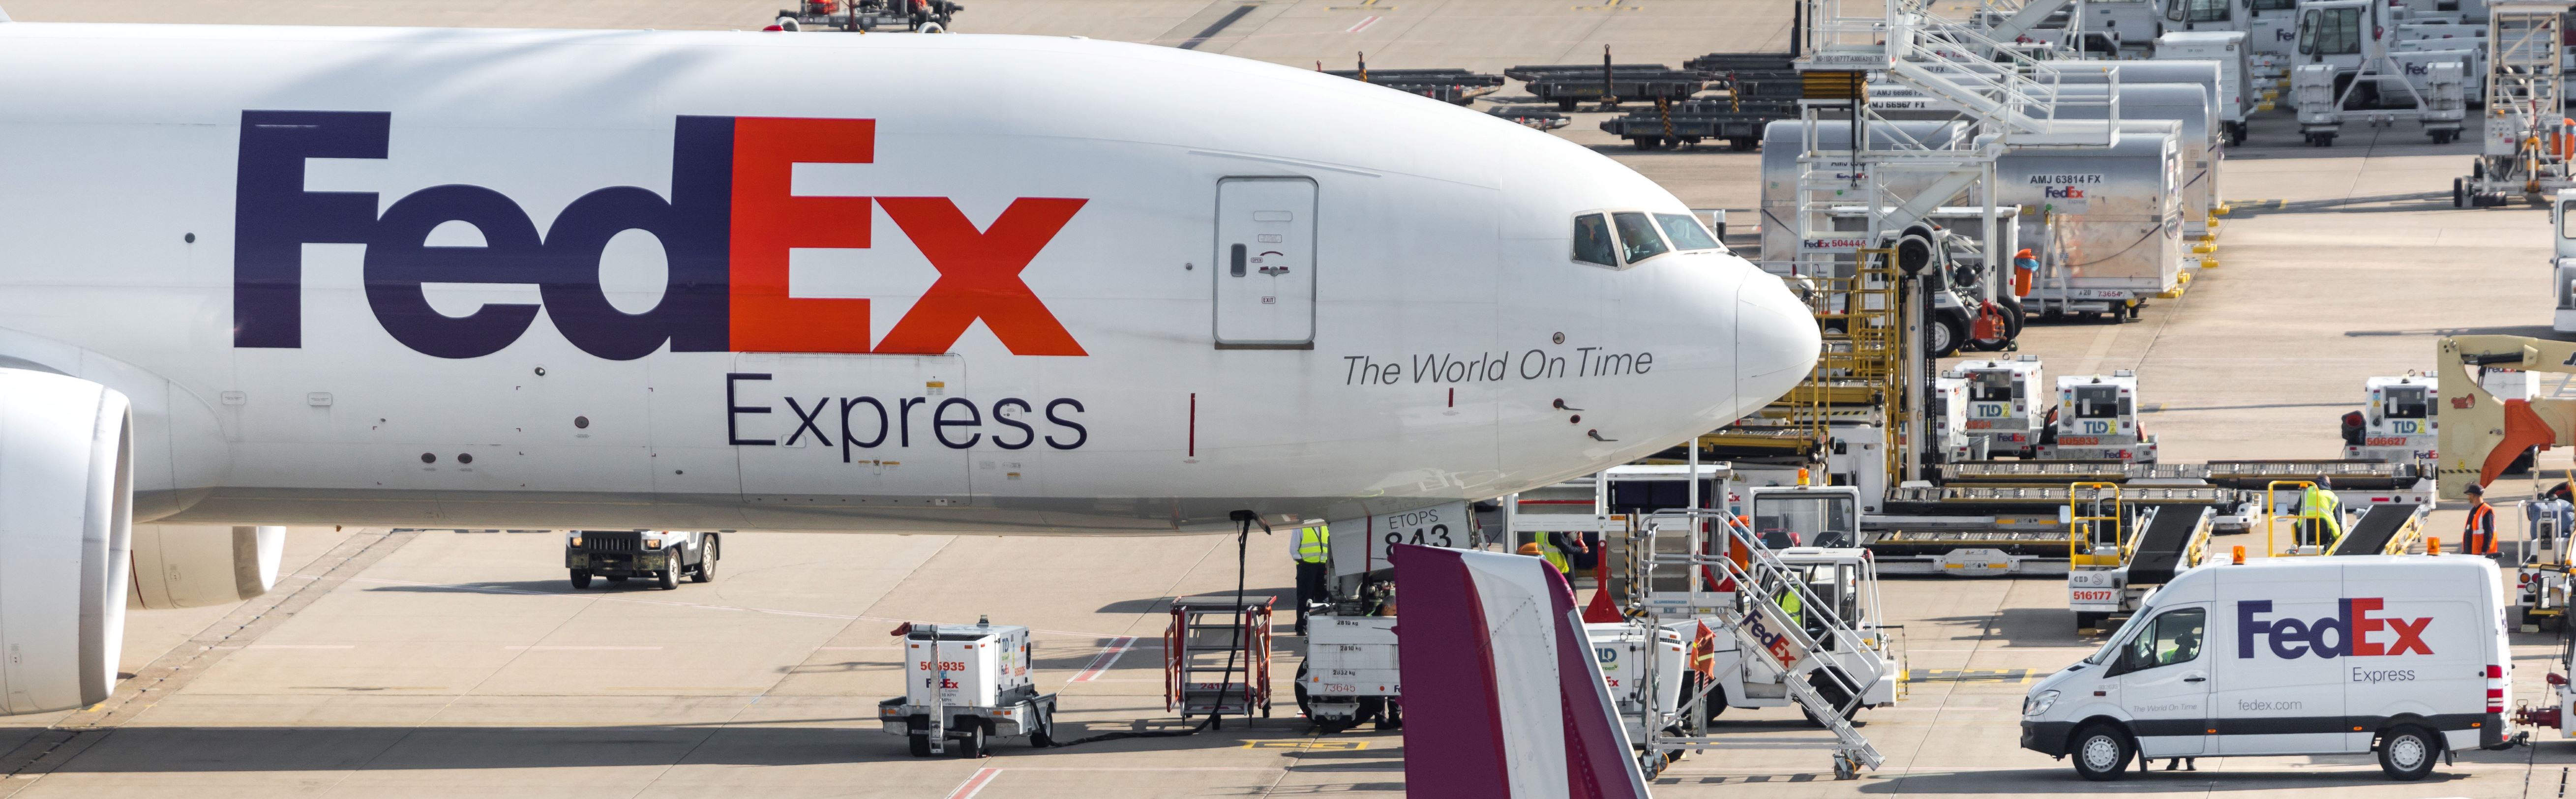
(2352, 626)
(725, 232)
(2062, 193)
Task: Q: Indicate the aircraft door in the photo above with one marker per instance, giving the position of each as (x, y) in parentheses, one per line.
(1265, 263)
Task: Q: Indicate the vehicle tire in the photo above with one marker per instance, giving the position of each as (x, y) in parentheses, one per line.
(920, 744)
(971, 744)
(2522, 463)
(1304, 708)
(2459, 193)
(670, 578)
(1945, 335)
(1565, 105)
(1044, 736)
(707, 555)
(1713, 705)
(2101, 752)
(2408, 753)
(2085, 620)
(932, 27)
(1647, 142)
(580, 579)
(1740, 145)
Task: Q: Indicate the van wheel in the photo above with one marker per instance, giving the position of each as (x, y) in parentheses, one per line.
(2407, 753)
(670, 577)
(2102, 752)
(707, 555)
(580, 579)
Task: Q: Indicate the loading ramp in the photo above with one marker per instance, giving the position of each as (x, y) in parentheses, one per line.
(2174, 539)
(2388, 529)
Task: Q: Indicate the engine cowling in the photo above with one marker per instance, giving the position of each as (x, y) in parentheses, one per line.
(192, 566)
(66, 521)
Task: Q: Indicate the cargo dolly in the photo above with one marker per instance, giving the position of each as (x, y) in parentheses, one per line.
(1456, 86)
(1568, 84)
(1538, 117)
(1737, 121)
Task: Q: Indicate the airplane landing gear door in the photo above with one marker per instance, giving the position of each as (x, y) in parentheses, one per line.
(1265, 263)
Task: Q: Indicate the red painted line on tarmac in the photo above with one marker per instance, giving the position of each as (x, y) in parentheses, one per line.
(1108, 657)
(1363, 25)
(975, 784)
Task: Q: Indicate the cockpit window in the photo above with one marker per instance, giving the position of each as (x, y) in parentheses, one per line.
(1637, 237)
(1685, 232)
(1592, 241)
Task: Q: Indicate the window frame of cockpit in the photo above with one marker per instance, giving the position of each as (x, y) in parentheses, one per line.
(1619, 244)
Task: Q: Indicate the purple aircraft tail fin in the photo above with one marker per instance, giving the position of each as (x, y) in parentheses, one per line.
(1502, 695)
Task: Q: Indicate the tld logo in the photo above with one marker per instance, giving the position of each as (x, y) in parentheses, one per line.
(2062, 193)
(2352, 627)
(725, 232)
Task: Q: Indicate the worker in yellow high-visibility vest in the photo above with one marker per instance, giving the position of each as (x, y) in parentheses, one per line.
(2320, 518)
(1314, 555)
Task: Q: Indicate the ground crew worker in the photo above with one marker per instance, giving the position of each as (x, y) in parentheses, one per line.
(2320, 518)
(1314, 567)
(1790, 606)
(2479, 533)
(1552, 546)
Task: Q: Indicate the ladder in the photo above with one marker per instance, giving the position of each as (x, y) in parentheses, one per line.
(1700, 578)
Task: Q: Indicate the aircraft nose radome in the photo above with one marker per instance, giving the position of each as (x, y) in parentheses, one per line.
(1776, 341)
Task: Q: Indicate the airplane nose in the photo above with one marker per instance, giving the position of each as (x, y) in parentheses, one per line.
(1776, 341)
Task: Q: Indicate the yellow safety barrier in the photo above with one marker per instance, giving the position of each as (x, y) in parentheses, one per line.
(2080, 528)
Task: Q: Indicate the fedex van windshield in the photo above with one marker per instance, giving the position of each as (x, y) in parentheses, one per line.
(2111, 643)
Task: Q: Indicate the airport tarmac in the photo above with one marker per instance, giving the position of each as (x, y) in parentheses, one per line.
(411, 662)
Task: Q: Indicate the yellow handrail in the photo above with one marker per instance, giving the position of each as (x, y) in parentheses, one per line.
(2079, 528)
(2270, 491)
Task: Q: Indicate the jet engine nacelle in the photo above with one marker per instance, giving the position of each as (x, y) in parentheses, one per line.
(66, 520)
(191, 566)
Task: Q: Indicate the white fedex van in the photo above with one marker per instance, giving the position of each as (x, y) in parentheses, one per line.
(2402, 655)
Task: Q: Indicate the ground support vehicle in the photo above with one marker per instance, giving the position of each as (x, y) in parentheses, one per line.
(1737, 121)
(1457, 86)
(2218, 663)
(2563, 264)
(2353, 72)
(869, 16)
(1783, 631)
(2113, 569)
(660, 555)
(1351, 676)
(2559, 716)
(964, 685)
(1949, 418)
(2004, 404)
(2400, 421)
(2525, 150)
(2098, 420)
(1568, 84)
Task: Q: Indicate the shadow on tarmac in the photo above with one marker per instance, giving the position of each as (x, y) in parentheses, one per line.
(2063, 780)
(260, 749)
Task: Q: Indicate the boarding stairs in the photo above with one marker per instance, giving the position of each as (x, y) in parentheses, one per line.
(1684, 571)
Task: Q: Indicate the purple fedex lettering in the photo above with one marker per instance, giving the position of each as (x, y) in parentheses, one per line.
(274, 217)
(2352, 624)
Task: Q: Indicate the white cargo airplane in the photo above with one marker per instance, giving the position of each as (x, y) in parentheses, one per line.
(269, 275)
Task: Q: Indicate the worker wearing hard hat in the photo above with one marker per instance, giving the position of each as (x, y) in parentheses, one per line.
(1314, 566)
(2479, 533)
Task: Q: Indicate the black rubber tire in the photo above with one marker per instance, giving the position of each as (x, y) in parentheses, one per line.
(1044, 736)
(1712, 706)
(1648, 142)
(669, 578)
(707, 555)
(580, 579)
(920, 744)
(972, 744)
(2408, 753)
(1944, 337)
(2522, 464)
(1565, 105)
(2459, 193)
(2098, 746)
(2085, 620)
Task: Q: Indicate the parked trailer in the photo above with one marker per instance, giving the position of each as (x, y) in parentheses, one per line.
(867, 16)
(1567, 84)
(2236, 96)
(1738, 123)
(1457, 86)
